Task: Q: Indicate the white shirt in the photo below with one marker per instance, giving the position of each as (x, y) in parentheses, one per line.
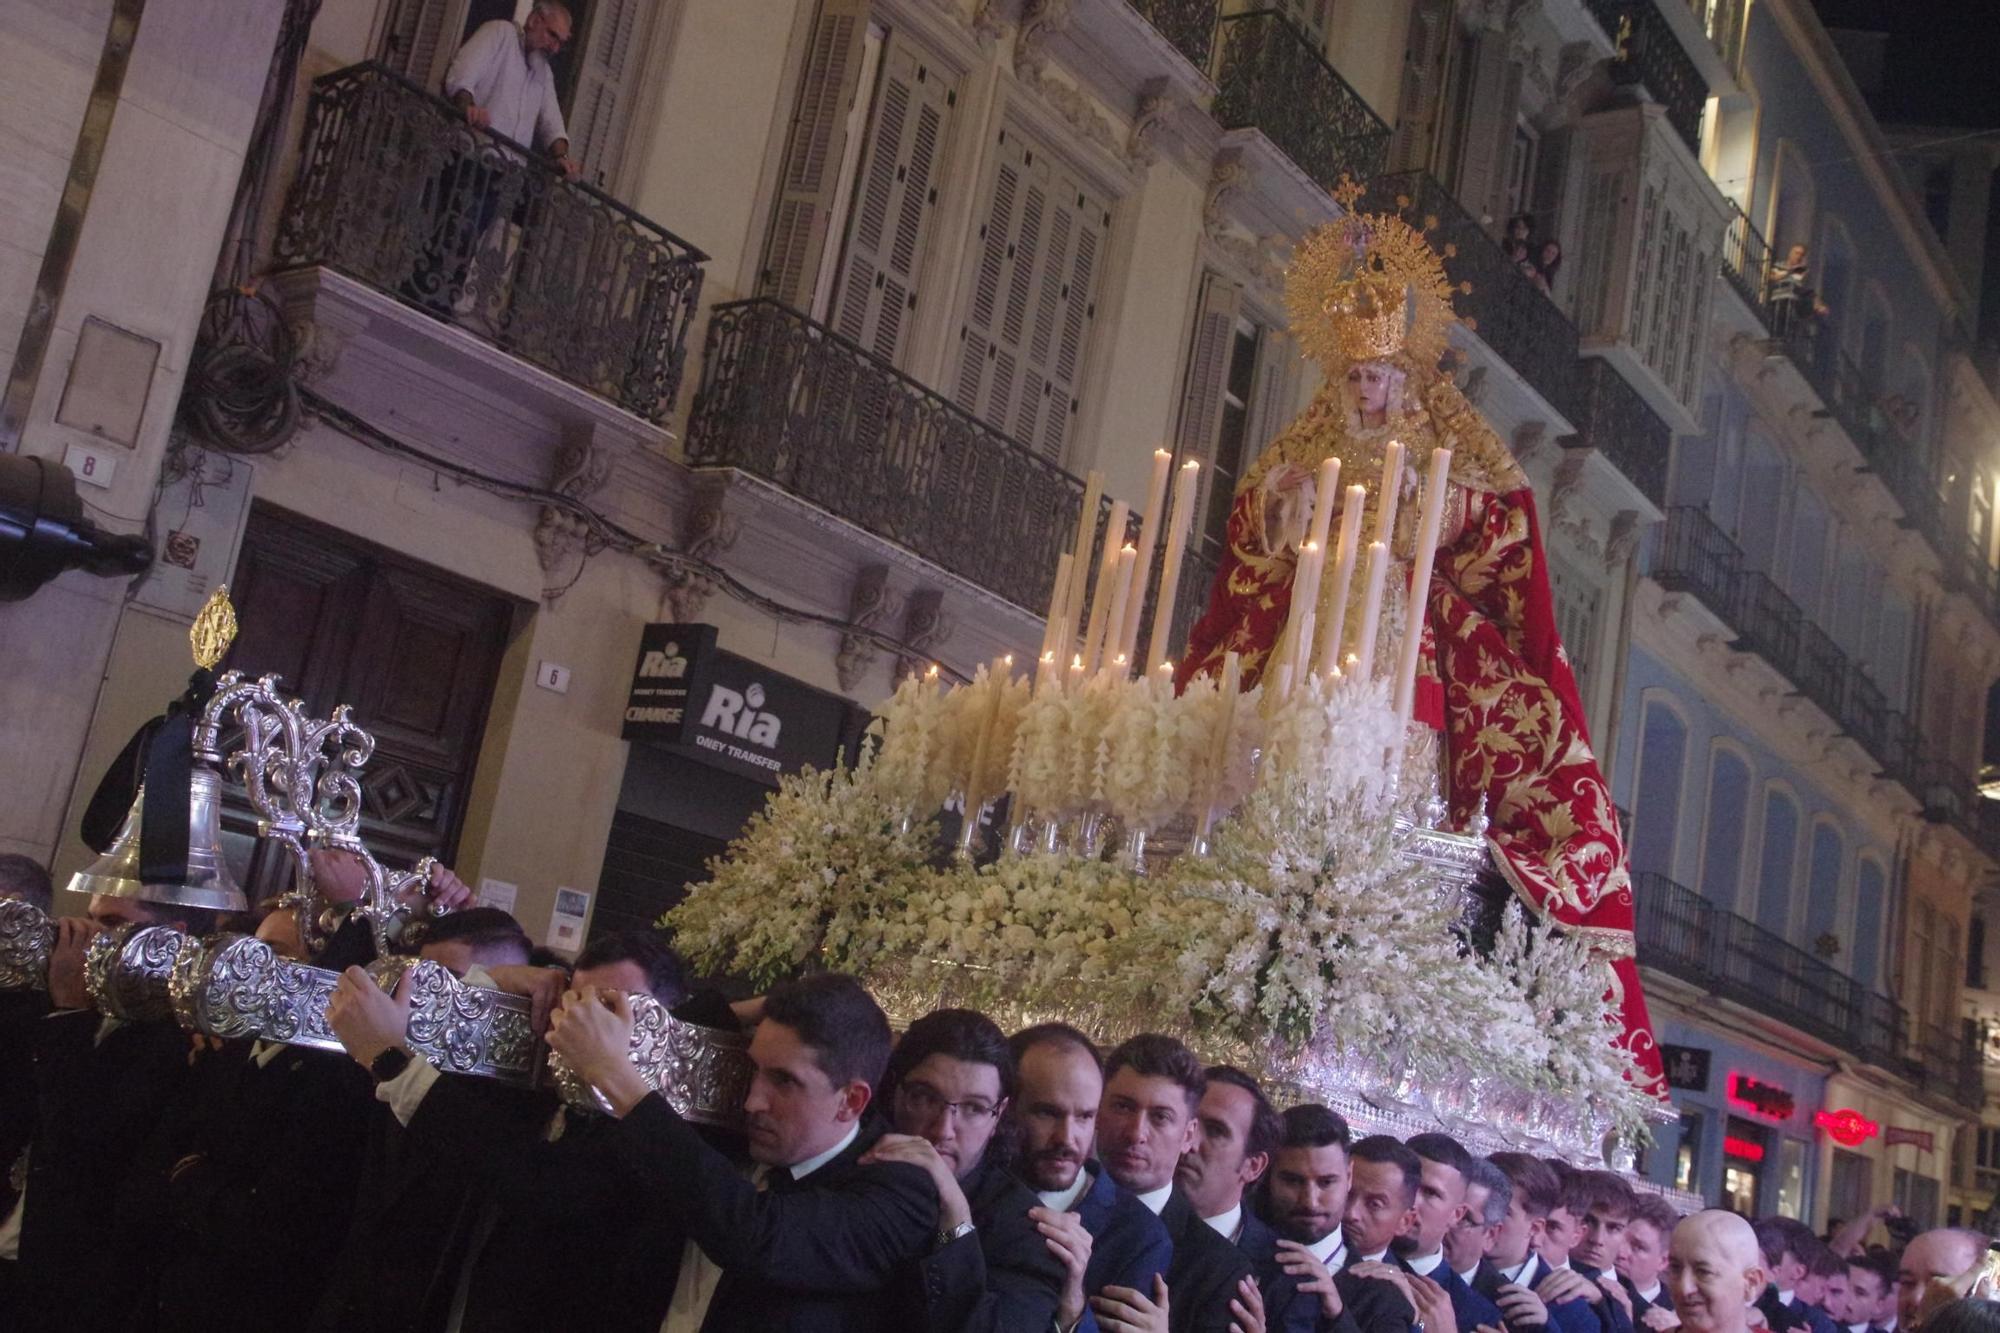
(1064, 1201)
(1157, 1199)
(1519, 1272)
(1427, 1265)
(1330, 1249)
(1380, 1256)
(1651, 1297)
(800, 1170)
(1467, 1276)
(1890, 1327)
(1784, 1298)
(514, 85)
(1228, 1224)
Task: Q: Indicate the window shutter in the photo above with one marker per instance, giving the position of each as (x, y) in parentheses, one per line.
(893, 203)
(1208, 367)
(605, 83)
(413, 39)
(1275, 393)
(1026, 330)
(813, 149)
(1488, 128)
(1424, 60)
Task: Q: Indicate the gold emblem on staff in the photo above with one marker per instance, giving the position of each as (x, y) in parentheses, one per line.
(214, 629)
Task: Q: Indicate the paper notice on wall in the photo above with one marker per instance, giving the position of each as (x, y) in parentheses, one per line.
(566, 922)
(498, 893)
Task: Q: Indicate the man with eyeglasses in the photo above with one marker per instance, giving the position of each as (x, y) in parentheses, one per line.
(949, 1082)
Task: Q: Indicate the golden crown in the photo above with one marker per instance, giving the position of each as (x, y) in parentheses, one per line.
(1369, 287)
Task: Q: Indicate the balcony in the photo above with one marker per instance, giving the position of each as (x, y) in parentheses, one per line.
(1270, 77)
(1746, 259)
(1188, 25)
(1685, 936)
(1650, 56)
(1613, 419)
(396, 192)
(1655, 225)
(1514, 318)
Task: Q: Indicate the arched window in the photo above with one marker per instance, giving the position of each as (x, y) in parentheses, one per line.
(1871, 886)
(1777, 860)
(1723, 829)
(1823, 876)
(1656, 809)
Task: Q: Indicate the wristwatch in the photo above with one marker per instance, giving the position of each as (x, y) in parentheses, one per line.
(389, 1064)
(959, 1232)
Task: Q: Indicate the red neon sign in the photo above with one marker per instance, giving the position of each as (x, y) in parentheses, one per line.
(1847, 1126)
(1745, 1149)
(1765, 1099)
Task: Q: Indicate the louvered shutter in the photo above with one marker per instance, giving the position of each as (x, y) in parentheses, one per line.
(894, 202)
(1207, 371)
(813, 149)
(1025, 335)
(605, 85)
(413, 40)
(1424, 62)
(1488, 127)
(1275, 390)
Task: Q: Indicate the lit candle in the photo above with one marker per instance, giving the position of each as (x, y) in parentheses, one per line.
(1121, 593)
(1392, 489)
(1163, 676)
(1045, 672)
(1295, 645)
(1081, 550)
(1326, 491)
(1076, 671)
(1178, 528)
(1420, 582)
(1371, 606)
(1343, 577)
(1149, 537)
(1058, 598)
(1094, 636)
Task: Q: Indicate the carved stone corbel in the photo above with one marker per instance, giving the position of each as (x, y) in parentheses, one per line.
(581, 471)
(707, 531)
(1040, 20)
(925, 626)
(1623, 541)
(866, 605)
(1531, 441)
(1157, 106)
(1227, 176)
(1575, 65)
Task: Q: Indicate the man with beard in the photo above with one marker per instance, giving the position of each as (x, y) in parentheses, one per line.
(1152, 1088)
(950, 1079)
(1515, 1252)
(1441, 1206)
(1643, 1261)
(1305, 1197)
(1102, 1235)
(1715, 1272)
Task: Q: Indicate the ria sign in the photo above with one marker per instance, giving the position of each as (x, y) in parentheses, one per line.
(1764, 1099)
(1847, 1126)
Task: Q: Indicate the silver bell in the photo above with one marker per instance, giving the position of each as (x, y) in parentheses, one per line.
(209, 883)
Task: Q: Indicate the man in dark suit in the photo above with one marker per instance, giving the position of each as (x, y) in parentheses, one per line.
(1441, 1206)
(1305, 1196)
(1488, 1192)
(815, 1241)
(1584, 1234)
(1102, 1235)
(1871, 1286)
(950, 1080)
(1153, 1085)
(1514, 1251)
(1643, 1261)
(1785, 1245)
(102, 1085)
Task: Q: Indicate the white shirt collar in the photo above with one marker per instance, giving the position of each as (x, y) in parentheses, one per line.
(263, 1052)
(1518, 1274)
(1890, 1327)
(1157, 1199)
(1467, 1276)
(1427, 1265)
(1330, 1249)
(1380, 1256)
(800, 1170)
(1064, 1201)
(1228, 1224)
(1861, 1327)
(1652, 1296)
(1784, 1297)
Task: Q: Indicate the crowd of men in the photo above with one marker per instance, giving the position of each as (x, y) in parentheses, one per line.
(953, 1178)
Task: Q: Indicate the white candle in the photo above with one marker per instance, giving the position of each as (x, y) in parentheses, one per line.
(1170, 570)
(1100, 597)
(1045, 672)
(1420, 581)
(1296, 644)
(1281, 687)
(1149, 537)
(1392, 490)
(1299, 661)
(1326, 490)
(1371, 606)
(1225, 733)
(1080, 550)
(1121, 593)
(1076, 671)
(1343, 577)
(1058, 597)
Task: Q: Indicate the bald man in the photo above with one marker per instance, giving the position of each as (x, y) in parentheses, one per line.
(1936, 1255)
(1715, 1271)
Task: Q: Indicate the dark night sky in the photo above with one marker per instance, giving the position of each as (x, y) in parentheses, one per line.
(1941, 60)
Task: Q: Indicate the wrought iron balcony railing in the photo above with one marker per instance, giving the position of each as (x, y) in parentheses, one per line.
(1188, 24)
(1514, 318)
(1746, 262)
(792, 402)
(1613, 419)
(1650, 54)
(1272, 77)
(1693, 554)
(397, 191)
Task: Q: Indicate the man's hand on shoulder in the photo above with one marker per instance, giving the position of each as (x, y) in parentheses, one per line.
(1520, 1307)
(1314, 1276)
(1128, 1310)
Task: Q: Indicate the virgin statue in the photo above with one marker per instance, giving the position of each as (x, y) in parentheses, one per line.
(1370, 302)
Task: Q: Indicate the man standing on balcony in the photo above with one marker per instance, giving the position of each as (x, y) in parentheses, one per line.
(501, 80)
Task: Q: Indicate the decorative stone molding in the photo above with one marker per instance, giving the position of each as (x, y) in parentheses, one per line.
(1228, 174)
(1531, 441)
(1623, 542)
(582, 469)
(866, 605)
(1574, 66)
(925, 626)
(1157, 106)
(708, 530)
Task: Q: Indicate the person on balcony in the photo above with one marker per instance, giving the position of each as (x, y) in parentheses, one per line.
(500, 81)
(1793, 304)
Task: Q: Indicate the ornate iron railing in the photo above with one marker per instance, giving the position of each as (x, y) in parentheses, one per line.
(792, 402)
(1188, 24)
(1613, 419)
(1514, 317)
(396, 190)
(1746, 261)
(1695, 555)
(1650, 53)
(1272, 77)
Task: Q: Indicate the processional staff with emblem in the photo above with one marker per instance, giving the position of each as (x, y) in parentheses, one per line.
(1371, 302)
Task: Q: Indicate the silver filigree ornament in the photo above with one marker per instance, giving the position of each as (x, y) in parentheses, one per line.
(703, 1073)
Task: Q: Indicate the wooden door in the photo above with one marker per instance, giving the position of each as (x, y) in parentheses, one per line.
(413, 650)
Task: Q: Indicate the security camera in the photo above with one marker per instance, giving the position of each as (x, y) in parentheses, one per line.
(43, 531)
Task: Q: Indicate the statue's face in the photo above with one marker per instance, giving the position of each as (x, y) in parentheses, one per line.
(1374, 384)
